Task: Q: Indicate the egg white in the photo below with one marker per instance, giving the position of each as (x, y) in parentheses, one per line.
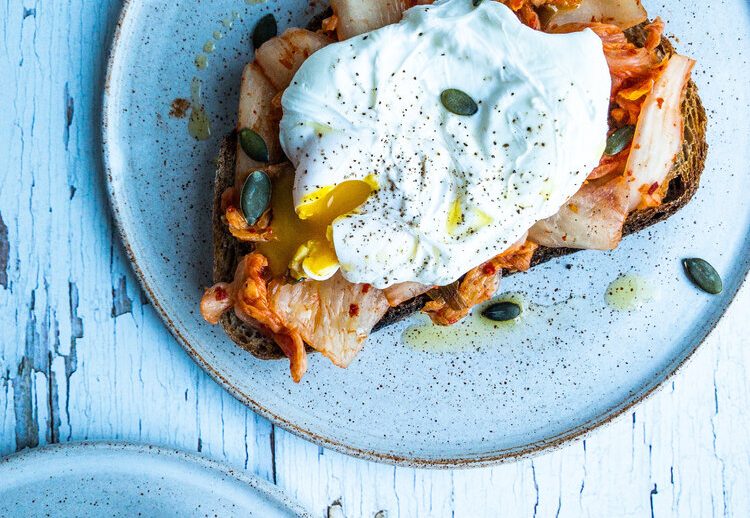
(453, 191)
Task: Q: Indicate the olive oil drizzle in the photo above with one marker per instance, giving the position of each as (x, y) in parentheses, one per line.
(628, 292)
(199, 124)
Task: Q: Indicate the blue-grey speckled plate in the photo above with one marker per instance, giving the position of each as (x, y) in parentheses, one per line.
(481, 395)
(123, 480)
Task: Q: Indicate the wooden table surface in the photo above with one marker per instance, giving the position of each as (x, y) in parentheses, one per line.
(84, 356)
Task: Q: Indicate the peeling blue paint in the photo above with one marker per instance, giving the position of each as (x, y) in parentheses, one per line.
(76, 323)
(4, 253)
(24, 407)
(121, 303)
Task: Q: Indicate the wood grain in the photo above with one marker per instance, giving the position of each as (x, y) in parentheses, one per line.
(84, 356)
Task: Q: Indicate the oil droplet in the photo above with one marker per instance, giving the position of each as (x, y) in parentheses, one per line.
(628, 292)
(201, 61)
(209, 47)
(218, 35)
(199, 125)
(227, 22)
(428, 337)
(472, 332)
(254, 2)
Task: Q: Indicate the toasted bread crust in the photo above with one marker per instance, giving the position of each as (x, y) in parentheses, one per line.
(685, 178)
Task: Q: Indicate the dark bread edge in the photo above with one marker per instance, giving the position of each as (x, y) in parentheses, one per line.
(683, 185)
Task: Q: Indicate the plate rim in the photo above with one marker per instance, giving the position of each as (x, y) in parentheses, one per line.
(268, 490)
(532, 449)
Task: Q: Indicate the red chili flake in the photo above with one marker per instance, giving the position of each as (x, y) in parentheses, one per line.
(652, 189)
(659, 101)
(489, 269)
(353, 310)
(221, 294)
(366, 288)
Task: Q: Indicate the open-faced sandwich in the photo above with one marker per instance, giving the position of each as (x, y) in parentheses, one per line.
(403, 157)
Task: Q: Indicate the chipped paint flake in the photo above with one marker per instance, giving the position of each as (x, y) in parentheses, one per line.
(121, 303)
(76, 323)
(24, 407)
(336, 510)
(4, 253)
(69, 111)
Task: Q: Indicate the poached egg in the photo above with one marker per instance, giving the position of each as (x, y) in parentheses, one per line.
(390, 186)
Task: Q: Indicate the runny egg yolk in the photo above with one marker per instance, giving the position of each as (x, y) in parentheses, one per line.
(302, 243)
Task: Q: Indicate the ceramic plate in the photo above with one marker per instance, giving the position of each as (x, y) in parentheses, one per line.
(472, 394)
(115, 479)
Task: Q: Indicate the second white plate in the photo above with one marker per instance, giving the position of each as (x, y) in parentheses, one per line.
(117, 479)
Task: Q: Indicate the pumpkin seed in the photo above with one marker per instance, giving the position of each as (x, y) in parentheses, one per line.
(619, 140)
(264, 30)
(255, 197)
(703, 275)
(458, 102)
(502, 311)
(253, 145)
(545, 13)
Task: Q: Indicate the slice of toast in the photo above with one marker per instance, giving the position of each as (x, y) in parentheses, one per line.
(685, 176)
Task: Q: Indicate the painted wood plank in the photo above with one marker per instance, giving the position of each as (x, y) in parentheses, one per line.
(85, 357)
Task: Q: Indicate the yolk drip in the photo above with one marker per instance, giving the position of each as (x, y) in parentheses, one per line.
(455, 216)
(304, 239)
